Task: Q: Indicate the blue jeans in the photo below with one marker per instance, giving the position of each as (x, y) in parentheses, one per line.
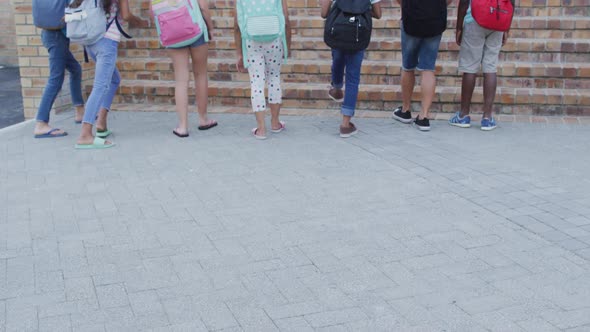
(419, 53)
(351, 62)
(60, 59)
(106, 78)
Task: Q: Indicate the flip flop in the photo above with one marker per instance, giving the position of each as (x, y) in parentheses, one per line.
(49, 134)
(281, 128)
(260, 137)
(103, 133)
(210, 125)
(179, 135)
(98, 143)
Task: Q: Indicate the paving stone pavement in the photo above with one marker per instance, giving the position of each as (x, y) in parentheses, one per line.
(391, 230)
(11, 101)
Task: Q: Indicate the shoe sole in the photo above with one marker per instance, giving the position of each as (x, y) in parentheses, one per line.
(336, 100)
(349, 135)
(488, 128)
(402, 120)
(460, 125)
(422, 128)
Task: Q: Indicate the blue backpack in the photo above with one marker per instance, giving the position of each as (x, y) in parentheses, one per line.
(49, 14)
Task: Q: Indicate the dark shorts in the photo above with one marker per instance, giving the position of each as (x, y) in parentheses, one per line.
(419, 53)
(197, 43)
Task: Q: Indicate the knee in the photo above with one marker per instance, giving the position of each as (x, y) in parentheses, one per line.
(56, 79)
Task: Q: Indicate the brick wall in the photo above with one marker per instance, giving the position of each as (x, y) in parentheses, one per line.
(33, 61)
(8, 54)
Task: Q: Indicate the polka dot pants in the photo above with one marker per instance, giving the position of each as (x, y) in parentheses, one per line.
(265, 60)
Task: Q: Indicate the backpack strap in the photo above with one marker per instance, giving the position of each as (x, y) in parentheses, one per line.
(119, 27)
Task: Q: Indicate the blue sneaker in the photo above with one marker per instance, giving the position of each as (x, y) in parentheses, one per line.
(488, 124)
(458, 121)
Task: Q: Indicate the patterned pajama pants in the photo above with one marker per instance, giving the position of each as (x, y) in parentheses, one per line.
(265, 60)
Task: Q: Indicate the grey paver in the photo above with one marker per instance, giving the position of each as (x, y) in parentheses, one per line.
(79, 289)
(390, 230)
(537, 324)
(336, 317)
(110, 296)
(55, 323)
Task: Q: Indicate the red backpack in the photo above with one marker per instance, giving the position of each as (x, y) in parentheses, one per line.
(493, 14)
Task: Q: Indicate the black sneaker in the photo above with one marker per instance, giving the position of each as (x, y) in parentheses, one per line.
(401, 116)
(422, 124)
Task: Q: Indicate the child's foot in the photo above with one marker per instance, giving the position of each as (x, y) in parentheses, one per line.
(277, 128)
(422, 124)
(182, 133)
(79, 114)
(401, 116)
(43, 129)
(458, 121)
(346, 132)
(258, 133)
(336, 94)
(207, 125)
(91, 140)
(488, 124)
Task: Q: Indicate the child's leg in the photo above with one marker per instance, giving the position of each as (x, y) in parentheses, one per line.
(181, 76)
(491, 52)
(353, 77)
(256, 71)
(489, 93)
(105, 54)
(338, 64)
(467, 87)
(273, 61)
(470, 56)
(427, 55)
(410, 47)
(199, 57)
(428, 87)
(408, 83)
(101, 122)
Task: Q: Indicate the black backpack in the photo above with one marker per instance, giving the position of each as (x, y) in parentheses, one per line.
(349, 25)
(424, 18)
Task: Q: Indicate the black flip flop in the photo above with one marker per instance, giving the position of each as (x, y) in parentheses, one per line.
(179, 135)
(208, 126)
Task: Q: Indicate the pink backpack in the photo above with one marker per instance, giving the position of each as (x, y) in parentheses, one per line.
(179, 22)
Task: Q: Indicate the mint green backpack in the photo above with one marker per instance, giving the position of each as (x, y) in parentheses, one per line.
(261, 21)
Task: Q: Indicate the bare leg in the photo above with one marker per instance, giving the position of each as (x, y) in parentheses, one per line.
(489, 93)
(467, 87)
(275, 109)
(260, 123)
(101, 121)
(428, 86)
(346, 121)
(408, 82)
(79, 113)
(181, 76)
(199, 57)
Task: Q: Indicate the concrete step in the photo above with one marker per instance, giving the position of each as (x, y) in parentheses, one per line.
(516, 75)
(371, 97)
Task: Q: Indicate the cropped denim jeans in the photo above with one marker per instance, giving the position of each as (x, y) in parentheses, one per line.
(60, 60)
(106, 78)
(351, 63)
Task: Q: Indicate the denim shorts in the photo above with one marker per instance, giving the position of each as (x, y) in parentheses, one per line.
(197, 43)
(419, 53)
